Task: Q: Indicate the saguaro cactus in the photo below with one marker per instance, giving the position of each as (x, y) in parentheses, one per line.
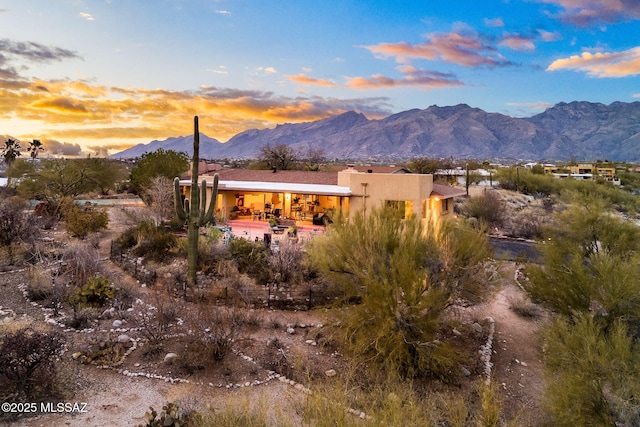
(195, 211)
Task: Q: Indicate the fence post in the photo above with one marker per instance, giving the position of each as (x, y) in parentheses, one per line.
(268, 296)
(309, 305)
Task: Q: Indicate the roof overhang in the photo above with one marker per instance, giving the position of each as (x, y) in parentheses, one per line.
(446, 192)
(278, 187)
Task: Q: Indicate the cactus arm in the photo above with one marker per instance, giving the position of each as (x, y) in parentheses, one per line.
(203, 202)
(177, 197)
(208, 216)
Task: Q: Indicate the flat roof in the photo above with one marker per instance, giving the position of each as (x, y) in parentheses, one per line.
(278, 187)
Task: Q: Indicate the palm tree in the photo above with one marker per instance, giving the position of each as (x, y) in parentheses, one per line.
(35, 146)
(11, 151)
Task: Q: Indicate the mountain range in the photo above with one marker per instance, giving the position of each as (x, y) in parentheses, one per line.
(579, 130)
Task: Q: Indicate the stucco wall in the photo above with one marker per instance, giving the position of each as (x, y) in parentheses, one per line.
(381, 187)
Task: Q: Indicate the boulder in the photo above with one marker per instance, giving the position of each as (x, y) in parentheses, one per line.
(117, 323)
(169, 358)
(123, 338)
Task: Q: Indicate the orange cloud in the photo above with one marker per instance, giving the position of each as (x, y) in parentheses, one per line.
(601, 64)
(465, 50)
(81, 112)
(305, 80)
(61, 104)
(85, 113)
(589, 12)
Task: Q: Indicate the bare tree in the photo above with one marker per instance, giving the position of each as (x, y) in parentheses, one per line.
(280, 156)
(160, 197)
(16, 226)
(314, 157)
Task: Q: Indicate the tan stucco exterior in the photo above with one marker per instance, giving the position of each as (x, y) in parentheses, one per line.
(352, 191)
(375, 189)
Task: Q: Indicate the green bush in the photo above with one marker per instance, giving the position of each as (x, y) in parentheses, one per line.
(406, 274)
(487, 208)
(82, 221)
(152, 242)
(252, 258)
(95, 293)
(126, 240)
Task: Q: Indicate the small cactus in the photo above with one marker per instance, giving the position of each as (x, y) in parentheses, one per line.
(171, 416)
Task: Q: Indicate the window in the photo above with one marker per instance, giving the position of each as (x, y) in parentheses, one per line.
(445, 205)
(404, 207)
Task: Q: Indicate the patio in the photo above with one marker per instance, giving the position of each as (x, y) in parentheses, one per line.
(251, 229)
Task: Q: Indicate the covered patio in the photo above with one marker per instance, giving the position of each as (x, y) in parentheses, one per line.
(259, 201)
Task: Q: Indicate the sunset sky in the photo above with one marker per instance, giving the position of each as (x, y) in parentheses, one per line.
(97, 76)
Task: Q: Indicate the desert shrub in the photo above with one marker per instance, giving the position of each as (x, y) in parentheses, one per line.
(287, 263)
(80, 262)
(490, 404)
(95, 293)
(524, 225)
(591, 279)
(593, 373)
(405, 274)
(153, 242)
(46, 214)
(251, 258)
(28, 365)
(210, 254)
(126, 240)
(82, 317)
(524, 307)
(82, 221)
(155, 320)
(214, 331)
(16, 226)
(125, 296)
(487, 208)
(523, 180)
(388, 403)
(104, 349)
(39, 284)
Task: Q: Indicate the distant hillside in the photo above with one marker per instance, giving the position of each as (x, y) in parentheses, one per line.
(581, 130)
(208, 147)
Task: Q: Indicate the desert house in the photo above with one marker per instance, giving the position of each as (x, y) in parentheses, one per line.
(303, 195)
(583, 171)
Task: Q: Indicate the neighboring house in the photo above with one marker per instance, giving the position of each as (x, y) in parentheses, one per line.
(301, 194)
(583, 171)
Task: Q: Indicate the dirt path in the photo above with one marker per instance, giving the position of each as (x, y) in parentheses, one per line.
(517, 357)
